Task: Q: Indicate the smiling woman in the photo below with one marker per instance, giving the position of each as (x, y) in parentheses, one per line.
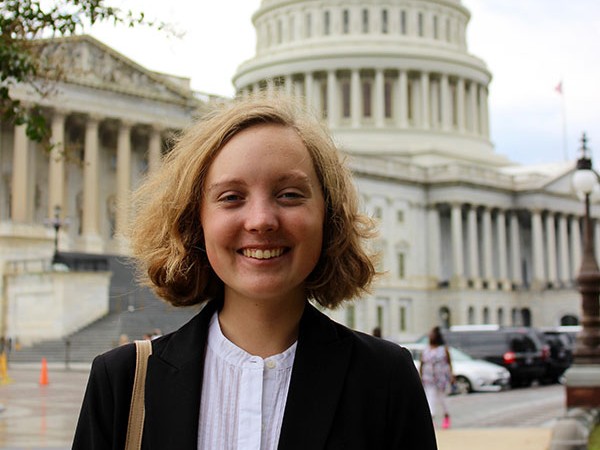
(255, 214)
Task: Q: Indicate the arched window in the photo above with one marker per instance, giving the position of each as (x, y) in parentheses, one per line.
(569, 320)
(526, 317)
(365, 20)
(486, 315)
(346, 21)
(471, 315)
(444, 315)
(500, 316)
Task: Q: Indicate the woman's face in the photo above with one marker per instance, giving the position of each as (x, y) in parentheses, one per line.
(262, 214)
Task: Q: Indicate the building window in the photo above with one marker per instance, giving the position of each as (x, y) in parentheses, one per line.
(400, 216)
(279, 31)
(471, 315)
(384, 21)
(402, 22)
(401, 266)
(410, 113)
(387, 95)
(448, 30)
(366, 98)
(421, 28)
(380, 317)
(486, 315)
(435, 28)
(402, 318)
(365, 20)
(377, 213)
(346, 21)
(350, 316)
(345, 98)
(308, 25)
(292, 28)
(500, 316)
(326, 23)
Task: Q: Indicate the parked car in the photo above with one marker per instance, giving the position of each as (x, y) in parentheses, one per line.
(517, 349)
(472, 375)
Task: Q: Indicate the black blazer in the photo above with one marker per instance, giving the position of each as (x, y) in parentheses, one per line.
(348, 390)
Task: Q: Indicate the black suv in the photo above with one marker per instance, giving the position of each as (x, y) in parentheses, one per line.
(560, 345)
(518, 349)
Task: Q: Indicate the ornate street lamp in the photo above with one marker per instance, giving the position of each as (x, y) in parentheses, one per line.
(56, 222)
(582, 389)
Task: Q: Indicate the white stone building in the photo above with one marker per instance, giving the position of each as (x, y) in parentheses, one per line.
(466, 235)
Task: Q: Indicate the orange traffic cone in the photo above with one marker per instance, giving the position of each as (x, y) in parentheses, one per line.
(44, 373)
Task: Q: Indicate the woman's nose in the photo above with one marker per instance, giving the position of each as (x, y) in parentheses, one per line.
(262, 216)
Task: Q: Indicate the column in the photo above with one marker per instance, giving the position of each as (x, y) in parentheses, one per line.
(445, 103)
(332, 99)
(378, 98)
(289, 85)
(576, 244)
(123, 179)
(483, 110)
(563, 246)
(355, 98)
(473, 111)
(473, 247)
(56, 165)
(460, 104)
(424, 100)
(537, 238)
(270, 87)
(90, 221)
(309, 81)
(457, 245)
(502, 255)
(402, 100)
(488, 268)
(515, 249)
(155, 149)
(552, 275)
(20, 201)
(433, 243)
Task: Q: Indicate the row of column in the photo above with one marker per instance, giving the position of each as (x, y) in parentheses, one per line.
(555, 256)
(421, 100)
(57, 192)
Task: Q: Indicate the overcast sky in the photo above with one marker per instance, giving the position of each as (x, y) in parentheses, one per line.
(529, 46)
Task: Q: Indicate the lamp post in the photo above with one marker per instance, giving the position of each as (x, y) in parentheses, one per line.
(56, 223)
(583, 378)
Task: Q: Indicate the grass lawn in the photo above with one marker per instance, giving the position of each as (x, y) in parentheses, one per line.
(594, 441)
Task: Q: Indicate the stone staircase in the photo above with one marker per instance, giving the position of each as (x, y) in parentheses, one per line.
(134, 311)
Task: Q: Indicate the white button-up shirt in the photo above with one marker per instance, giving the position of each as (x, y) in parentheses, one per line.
(243, 396)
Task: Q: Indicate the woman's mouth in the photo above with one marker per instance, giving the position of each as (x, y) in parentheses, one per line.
(263, 253)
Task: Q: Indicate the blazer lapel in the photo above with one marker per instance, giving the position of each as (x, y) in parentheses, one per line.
(174, 385)
(321, 362)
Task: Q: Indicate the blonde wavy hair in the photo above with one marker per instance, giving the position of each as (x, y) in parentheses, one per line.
(166, 235)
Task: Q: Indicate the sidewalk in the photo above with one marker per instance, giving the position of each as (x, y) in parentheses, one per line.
(44, 417)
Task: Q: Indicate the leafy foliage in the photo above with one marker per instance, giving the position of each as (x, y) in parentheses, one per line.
(22, 22)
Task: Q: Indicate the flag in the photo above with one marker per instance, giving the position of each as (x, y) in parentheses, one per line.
(559, 88)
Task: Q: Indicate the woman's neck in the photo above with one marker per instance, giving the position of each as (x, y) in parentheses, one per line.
(261, 328)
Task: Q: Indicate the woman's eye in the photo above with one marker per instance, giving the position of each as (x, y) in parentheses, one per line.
(230, 198)
(291, 195)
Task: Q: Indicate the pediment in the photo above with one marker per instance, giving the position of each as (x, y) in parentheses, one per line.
(562, 184)
(85, 61)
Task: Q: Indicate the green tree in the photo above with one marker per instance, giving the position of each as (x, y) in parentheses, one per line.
(22, 24)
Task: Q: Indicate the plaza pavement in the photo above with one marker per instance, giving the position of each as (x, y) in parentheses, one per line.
(40, 417)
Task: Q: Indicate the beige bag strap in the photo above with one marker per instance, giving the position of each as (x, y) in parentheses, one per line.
(135, 426)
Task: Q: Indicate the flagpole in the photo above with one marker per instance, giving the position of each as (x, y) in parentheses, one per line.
(559, 89)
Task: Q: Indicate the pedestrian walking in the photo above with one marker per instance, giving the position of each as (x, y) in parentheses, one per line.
(436, 373)
(255, 215)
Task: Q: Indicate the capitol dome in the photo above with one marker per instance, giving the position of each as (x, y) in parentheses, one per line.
(391, 77)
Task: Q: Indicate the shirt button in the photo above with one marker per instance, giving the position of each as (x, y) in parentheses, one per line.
(271, 364)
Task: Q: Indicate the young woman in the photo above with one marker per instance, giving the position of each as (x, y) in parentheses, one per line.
(254, 215)
(436, 373)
